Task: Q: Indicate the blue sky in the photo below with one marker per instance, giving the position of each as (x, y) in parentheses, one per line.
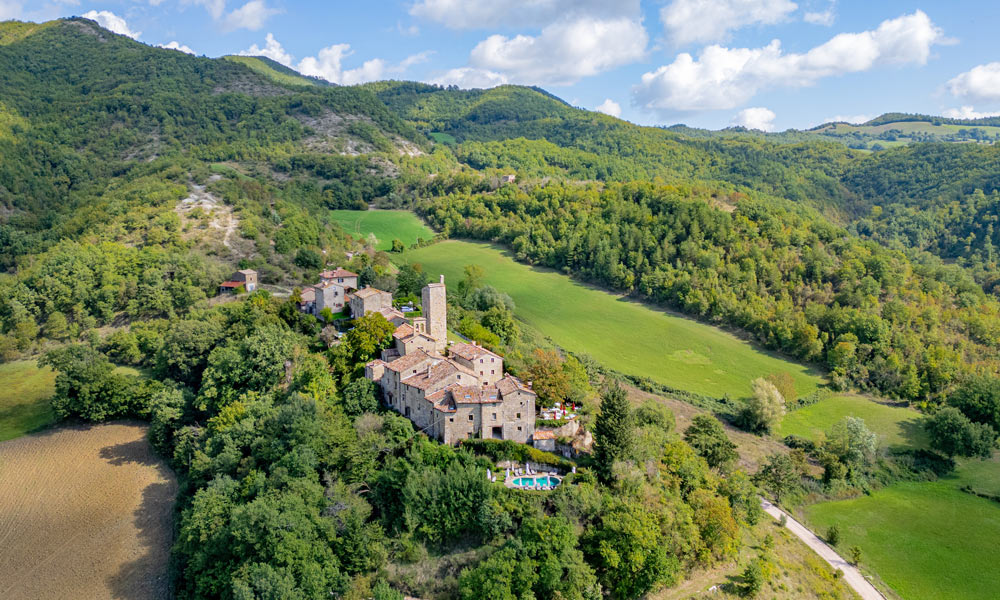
(769, 64)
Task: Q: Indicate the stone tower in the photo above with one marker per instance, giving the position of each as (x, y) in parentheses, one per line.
(435, 305)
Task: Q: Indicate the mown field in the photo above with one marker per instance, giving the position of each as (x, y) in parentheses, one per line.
(85, 512)
(25, 390)
(387, 225)
(896, 426)
(624, 335)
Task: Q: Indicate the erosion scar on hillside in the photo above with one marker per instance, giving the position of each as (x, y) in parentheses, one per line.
(85, 512)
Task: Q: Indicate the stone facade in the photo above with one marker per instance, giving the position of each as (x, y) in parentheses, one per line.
(341, 277)
(369, 300)
(329, 294)
(450, 398)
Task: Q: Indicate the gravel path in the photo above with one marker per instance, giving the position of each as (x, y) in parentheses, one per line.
(852, 576)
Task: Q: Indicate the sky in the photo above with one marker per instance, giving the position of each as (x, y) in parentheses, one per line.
(763, 64)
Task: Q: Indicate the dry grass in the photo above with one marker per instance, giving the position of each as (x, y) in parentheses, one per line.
(85, 512)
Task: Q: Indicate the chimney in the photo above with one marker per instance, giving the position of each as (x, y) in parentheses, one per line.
(442, 279)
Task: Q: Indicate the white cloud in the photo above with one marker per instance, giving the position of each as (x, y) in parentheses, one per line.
(111, 22)
(689, 21)
(826, 17)
(852, 119)
(214, 7)
(491, 14)
(175, 45)
(724, 78)
(610, 107)
(564, 52)
(327, 63)
(251, 15)
(979, 83)
(757, 117)
(272, 49)
(470, 78)
(968, 112)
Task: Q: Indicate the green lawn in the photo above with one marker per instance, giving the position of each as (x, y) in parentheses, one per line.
(896, 426)
(24, 398)
(625, 335)
(387, 225)
(926, 540)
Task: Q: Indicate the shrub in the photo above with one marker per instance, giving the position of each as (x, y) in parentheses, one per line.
(833, 535)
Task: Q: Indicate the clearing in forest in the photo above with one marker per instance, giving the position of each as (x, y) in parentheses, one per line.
(85, 512)
(25, 390)
(623, 334)
(387, 225)
(897, 426)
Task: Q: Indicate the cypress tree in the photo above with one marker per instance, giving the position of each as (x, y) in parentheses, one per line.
(614, 431)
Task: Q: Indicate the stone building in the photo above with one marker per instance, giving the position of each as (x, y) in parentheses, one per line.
(341, 277)
(329, 294)
(451, 393)
(245, 278)
(369, 300)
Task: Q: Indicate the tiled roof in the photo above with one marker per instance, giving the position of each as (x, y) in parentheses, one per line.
(430, 379)
(308, 295)
(375, 363)
(337, 273)
(368, 292)
(404, 330)
(325, 284)
(470, 352)
(510, 384)
(232, 284)
(544, 435)
(410, 361)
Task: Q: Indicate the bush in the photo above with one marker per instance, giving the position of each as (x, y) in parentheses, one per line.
(833, 535)
(499, 450)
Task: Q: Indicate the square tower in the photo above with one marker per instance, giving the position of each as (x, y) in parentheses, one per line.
(435, 305)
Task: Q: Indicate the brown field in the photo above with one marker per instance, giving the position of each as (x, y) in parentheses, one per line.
(85, 512)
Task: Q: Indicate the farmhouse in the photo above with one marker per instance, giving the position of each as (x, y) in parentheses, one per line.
(450, 393)
(245, 279)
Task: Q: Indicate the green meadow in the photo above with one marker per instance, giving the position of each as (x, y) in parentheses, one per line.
(896, 426)
(625, 335)
(387, 225)
(25, 390)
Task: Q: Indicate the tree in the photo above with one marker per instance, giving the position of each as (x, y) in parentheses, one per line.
(778, 476)
(753, 579)
(308, 259)
(372, 333)
(978, 397)
(852, 443)
(785, 383)
(56, 326)
(833, 535)
(614, 431)
(473, 280)
(411, 279)
(765, 408)
(708, 438)
(500, 321)
(367, 276)
(360, 396)
(954, 434)
(397, 245)
(855, 552)
(548, 378)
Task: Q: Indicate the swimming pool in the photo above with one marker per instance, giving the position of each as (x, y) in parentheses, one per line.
(536, 481)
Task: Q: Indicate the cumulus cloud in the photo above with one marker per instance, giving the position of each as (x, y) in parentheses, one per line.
(175, 45)
(724, 78)
(111, 22)
(825, 17)
(689, 21)
(272, 49)
(470, 78)
(978, 83)
(564, 52)
(486, 14)
(756, 117)
(251, 15)
(327, 64)
(968, 112)
(610, 107)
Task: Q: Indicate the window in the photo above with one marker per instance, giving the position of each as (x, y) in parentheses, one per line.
(493, 372)
(480, 372)
(451, 419)
(493, 360)
(494, 416)
(519, 429)
(518, 415)
(480, 361)
(472, 418)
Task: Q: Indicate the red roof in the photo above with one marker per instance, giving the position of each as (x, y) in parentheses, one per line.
(232, 284)
(337, 273)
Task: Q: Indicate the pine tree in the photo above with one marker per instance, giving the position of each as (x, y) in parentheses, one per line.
(614, 431)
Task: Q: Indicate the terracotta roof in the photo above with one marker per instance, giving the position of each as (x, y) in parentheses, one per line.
(544, 435)
(232, 284)
(325, 284)
(404, 330)
(308, 295)
(375, 363)
(510, 384)
(338, 272)
(368, 292)
(471, 352)
(391, 313)
(430, 379)
(404, 363)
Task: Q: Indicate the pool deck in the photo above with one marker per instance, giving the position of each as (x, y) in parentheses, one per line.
(535, 472)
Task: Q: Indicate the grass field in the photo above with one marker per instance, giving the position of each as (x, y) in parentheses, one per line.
(896, 426)
(624, 335)
(85, 512)
(24, 398)
(387, 225)
(926, 540)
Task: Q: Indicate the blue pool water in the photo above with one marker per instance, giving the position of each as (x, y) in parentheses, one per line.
(534, 481)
